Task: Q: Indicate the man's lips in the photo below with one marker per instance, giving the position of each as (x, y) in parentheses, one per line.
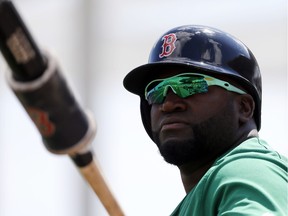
(172, 124)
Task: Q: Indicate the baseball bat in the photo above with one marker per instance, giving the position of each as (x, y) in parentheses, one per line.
(42, 90)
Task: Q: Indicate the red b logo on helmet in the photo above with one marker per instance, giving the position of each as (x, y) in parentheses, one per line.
(168, 45)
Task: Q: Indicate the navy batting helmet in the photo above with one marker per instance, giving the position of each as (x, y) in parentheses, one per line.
(203, 49)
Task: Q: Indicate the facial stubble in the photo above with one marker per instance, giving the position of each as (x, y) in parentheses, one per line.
(208, 139)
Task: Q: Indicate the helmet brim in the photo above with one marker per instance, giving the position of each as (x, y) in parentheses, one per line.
(137, 79)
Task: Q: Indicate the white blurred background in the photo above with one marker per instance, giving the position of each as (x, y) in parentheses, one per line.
(96, 44)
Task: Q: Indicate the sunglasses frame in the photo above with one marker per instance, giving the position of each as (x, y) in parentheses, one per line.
(211, 81)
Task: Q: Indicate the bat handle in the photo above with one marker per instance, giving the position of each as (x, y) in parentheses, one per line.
(94, 177)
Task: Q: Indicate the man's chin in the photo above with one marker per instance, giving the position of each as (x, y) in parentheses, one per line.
(172, 140)
(178, 151)
(176, 135)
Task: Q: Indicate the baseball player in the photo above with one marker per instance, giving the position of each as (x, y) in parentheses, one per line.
(200, 102)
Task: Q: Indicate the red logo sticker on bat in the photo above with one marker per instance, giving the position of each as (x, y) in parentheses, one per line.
(168, 45)
(42, 121)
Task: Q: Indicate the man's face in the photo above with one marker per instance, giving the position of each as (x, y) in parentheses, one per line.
(194, 128)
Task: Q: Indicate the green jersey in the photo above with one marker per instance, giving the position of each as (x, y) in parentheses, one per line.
(250, 179)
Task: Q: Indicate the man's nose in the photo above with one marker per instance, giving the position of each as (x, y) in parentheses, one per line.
(173, 103)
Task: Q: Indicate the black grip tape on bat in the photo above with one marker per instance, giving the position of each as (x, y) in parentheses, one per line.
(17, 45)
(64, 127)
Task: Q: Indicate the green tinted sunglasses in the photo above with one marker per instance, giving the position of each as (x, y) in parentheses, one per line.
(184, 85)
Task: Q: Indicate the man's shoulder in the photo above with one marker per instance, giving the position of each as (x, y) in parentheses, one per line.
(252, 162)
(253, 150)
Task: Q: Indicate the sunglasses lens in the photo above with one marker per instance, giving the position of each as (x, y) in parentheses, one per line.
(155, 96)
(183, 86)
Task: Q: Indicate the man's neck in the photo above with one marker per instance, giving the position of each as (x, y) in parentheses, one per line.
(191, 173)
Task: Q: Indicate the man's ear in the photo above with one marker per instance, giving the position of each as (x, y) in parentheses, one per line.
(246, 107)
